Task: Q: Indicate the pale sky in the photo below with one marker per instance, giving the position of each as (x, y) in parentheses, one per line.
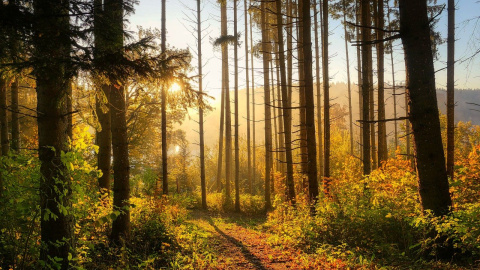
(179, 35)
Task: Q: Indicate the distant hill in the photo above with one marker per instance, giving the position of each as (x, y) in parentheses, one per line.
(339, 95)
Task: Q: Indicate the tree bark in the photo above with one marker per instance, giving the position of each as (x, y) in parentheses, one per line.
(301, 91)
(104, 139)
(56, 229)
(287, 120)
(200, 110)
(350, 113)
(3, 120)
(423, 109)
(326, 99)
(254, 148)
(249, 152)
(309, 101)
(268, 114)
(237, 147)
(451, 89)
(366, 53)
(382, 128)
(318, 87)
(121, 164)
(164, 107)
(228, 115)
(16, 142)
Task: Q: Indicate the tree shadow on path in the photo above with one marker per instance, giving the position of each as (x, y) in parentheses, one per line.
(246, 252)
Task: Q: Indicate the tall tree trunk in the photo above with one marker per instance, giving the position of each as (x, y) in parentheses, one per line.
(102, 106)
(326, 98)
(423, 109)
(70, 109)
(301, 91)
(359, 77)
(366, 53)
(16, 142)
(3, 120)
(394, 88)
(220, 139)
(121, 164)
(451, 89)
(318, 87)
(104, 138)
(371, 118)
(289, 29)
(200, 110)
(276, 166)
(228, 115)
(281, 129)
(254, 148)
(268, 115)
(164, 106)
(249, 152)
(382, 127)
(309, 98)
(287, 120)
(237, 147)
(51, 81)
(350, 113)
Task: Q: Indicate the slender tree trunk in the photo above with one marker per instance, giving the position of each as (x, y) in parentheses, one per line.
(200, 110)
(350, 113)
(393, 86)
(287, 120)
(164, 106)
(70, 110)
(309, 98)
(276, 166)
(3, 121)
(16, 142)
(268, 116)
(359, 77)
(318, 87)
(382, 127)
(228, 115)
(326, 98)
(281, 129)
(254, 148)
(121, 164)
(220, 139)
(249, 152)
(366, 52)
(301, 92)
(237, 147)
(451, 89)
(423, 113)
(51, 81)
(289, 29)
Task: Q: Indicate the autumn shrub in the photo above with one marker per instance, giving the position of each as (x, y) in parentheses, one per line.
(249, 204)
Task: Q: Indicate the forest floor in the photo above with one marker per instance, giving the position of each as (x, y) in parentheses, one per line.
(239, 242)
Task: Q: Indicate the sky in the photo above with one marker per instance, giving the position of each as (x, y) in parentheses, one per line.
(180, 35)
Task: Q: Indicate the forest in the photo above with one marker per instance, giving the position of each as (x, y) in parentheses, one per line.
(242, 149)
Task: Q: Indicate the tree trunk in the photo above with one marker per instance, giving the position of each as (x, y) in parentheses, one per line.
(350, 113)
(394, 87)
(228, 115)
(16, 142)
(359, 77)
(309, 98)
(121, 165)
(254, 148)
(104, 139)
(3, 120)
(220, 138)
(56, 228)
(200, 110)
(366, 53)
(70, 110)
(326, 98)
(287, 120)
(281, 128)
(268, 116)
(164, 106)
(318, 86)
(249, 152)
(382, 127)
(451, 89)
(237, 147)
(301, 92)
(423, 113)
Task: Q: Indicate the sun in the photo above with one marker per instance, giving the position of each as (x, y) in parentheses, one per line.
(175, 87)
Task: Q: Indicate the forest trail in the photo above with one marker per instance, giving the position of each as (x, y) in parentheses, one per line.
(239, 245)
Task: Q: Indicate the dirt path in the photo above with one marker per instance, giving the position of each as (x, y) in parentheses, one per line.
(239, 246)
